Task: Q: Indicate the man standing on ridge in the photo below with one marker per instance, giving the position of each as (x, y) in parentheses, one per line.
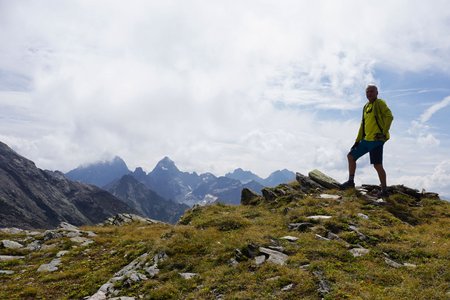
(372, 134)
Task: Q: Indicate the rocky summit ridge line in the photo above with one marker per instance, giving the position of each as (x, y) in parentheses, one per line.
(301, 240)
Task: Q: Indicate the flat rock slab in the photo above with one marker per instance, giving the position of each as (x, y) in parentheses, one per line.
(324, 180)
(357, 252)
(319, 217)
(290, 238)
(332, 197)
(10, 257)
(274, 256)
(188, 275)
(50, 267)
(81, 240)
(10, 244)
(363, 216)
(260, 259)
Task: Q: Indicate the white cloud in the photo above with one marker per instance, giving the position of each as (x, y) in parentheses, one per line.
(434, 108)
(213, 84)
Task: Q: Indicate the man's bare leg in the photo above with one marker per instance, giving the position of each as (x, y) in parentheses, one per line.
(381, 175)
(351, 167)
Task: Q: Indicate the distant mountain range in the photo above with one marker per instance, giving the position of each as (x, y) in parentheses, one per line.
(182, 187)
(274, 179)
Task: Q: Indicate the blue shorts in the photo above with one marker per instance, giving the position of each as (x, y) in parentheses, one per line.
(375, 149)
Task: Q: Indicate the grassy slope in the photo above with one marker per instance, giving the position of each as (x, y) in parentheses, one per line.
(206, 239)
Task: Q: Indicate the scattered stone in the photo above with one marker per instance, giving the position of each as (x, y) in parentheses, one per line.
(152, 271)
(134, 276)
(333, 236)
(324, 285)
(357, 252)
(277, 248)
(10, 244)
(81, 240)
(99, 295)
(290, 238)
(300, 226)
(34, 246)
(233, 262)
(363, 216)
(68, 227)
(50, 267)
(249, 197)
(380, 201)
(361, 235)
(260, 260)
(72, 234)
(408, 265)
(188, 275)
(61, 253)
(274, 256)
(123, 298)
(288, 287)
(328, 196)
(128, 274)
(269, 195)
(319, 237)
(392, 263)
(122, 219)
(6, 272)
(323, 179)
(10, 257)
(305, 267)
(319, 217)
(48, 247)
(52, 234)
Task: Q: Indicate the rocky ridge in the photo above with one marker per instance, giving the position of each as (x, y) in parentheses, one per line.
(299, 240)
(34, 198)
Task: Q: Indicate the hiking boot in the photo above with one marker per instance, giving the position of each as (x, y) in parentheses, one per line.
(347, 185)
(382, 194)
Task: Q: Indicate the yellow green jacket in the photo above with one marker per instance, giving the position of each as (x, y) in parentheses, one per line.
(376, 122)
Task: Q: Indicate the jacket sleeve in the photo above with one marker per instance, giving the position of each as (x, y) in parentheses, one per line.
(387, 116)
(360, 133)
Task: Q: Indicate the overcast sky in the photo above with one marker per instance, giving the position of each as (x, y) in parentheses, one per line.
(216, 85)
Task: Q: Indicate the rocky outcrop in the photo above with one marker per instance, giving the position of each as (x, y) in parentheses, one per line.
(33, 198)
(140, 269)
(123, 219)
(249, 197)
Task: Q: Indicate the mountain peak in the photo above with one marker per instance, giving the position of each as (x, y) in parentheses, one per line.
(100, 173)
(166, 164)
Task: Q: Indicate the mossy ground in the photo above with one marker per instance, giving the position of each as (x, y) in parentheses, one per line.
(206, 239)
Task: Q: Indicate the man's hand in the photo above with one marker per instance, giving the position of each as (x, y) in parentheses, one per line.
(354, 146)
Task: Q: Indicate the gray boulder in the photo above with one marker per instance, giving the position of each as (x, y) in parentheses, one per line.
(50, 267)
(249, 197)
(306, 184)
(324, 180)
(10, 244)
(274, 256)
